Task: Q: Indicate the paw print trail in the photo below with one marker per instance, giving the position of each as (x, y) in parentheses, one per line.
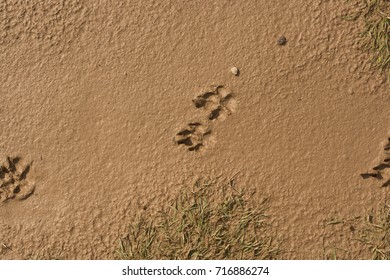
(218, 104)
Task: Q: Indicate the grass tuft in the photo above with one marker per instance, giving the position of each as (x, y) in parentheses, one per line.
(376, 33)
(213, 221)
(366, 236)
(375, 234)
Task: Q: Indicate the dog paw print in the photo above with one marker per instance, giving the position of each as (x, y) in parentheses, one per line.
(382, 170)
(218, 104)
(193, 136)
(13, 180)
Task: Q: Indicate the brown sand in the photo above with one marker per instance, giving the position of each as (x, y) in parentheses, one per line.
(93, 93)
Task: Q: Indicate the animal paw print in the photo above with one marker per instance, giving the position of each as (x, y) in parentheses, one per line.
(193, 136)
(13, 183)
(382, 170)
(218, 103)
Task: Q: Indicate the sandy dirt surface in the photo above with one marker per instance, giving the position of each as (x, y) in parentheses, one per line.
(94, 93)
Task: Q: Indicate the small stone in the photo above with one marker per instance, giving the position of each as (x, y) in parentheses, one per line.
(281, 41)
(235, 71)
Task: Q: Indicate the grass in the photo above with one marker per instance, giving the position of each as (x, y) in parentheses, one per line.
(375, 233)
(370, 232)
(213, 221)
(376, 34)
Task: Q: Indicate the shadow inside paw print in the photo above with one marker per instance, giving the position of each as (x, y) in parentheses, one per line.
(13, 183)
(201, 101)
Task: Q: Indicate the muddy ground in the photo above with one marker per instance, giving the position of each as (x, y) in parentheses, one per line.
(94, 93)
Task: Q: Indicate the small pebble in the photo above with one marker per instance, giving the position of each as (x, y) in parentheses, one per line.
(282, 41)
(235, 71)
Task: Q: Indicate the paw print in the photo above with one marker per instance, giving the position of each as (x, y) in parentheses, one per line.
(218, 103)
(382, 170)
(13, 180)
(193, 136)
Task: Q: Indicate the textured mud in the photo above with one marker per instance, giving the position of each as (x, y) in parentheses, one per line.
(111, 101)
